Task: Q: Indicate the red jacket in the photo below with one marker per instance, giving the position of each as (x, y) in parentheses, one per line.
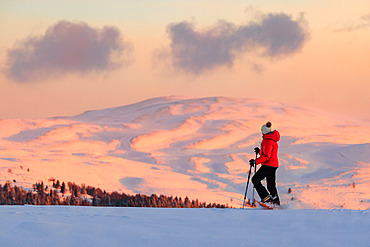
(269, 149)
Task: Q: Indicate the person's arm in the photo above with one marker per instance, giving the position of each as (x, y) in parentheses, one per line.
(265, 153)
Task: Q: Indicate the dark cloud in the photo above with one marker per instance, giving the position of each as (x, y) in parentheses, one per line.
(274, 35)
(66, 47)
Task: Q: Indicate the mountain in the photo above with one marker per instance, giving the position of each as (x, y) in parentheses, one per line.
(196, 147)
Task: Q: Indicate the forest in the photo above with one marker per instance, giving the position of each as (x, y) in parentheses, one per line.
(82, 195)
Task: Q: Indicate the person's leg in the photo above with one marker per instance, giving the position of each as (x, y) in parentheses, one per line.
(271, 186)
(256, 180)
(271, 181)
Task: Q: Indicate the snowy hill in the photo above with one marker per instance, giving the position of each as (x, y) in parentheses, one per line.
(193, 147)
(33, 226)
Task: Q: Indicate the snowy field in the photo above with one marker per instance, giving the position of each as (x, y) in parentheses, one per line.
(193, 147)
(91, 226)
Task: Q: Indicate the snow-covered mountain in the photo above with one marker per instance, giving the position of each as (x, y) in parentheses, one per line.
(193, 147)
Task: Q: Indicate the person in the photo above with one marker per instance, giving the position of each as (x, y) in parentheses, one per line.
(269, 164)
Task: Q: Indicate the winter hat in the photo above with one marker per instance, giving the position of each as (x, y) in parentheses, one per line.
(266, 128)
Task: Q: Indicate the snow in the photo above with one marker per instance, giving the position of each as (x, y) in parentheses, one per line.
(189, 147)
(91, 226)
(195, 147)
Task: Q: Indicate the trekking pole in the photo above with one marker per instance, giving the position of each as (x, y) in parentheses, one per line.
(246, 189)
(255, 169)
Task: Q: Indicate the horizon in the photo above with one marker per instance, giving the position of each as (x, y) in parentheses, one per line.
(182, 97)
(63, 58)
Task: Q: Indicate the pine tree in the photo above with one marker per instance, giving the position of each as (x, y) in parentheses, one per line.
(63, 188)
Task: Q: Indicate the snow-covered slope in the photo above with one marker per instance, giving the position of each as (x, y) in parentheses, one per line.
(33, 226)
(194, 147)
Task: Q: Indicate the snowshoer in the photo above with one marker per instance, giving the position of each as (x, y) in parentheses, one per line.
(269, 161)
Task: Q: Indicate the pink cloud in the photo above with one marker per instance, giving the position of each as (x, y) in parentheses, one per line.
(196, 51)
(67, 47)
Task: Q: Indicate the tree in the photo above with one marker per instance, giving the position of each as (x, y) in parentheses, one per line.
(63, 188)
(56, 185)
(17, 195)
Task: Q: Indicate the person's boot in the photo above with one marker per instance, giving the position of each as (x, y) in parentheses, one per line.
(275, 200)
(267, 199)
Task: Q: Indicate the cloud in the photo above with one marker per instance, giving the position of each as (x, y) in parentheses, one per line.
(66, 47)
(275, 35)
(362, 23)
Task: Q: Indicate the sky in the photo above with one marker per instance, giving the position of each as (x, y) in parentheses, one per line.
(61, 58)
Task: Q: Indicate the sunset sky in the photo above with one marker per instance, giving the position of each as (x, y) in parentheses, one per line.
(63, 57)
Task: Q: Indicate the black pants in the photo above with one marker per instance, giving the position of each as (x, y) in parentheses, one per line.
(269, 173)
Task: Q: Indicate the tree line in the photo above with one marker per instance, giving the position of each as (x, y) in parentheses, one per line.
(82, 195)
